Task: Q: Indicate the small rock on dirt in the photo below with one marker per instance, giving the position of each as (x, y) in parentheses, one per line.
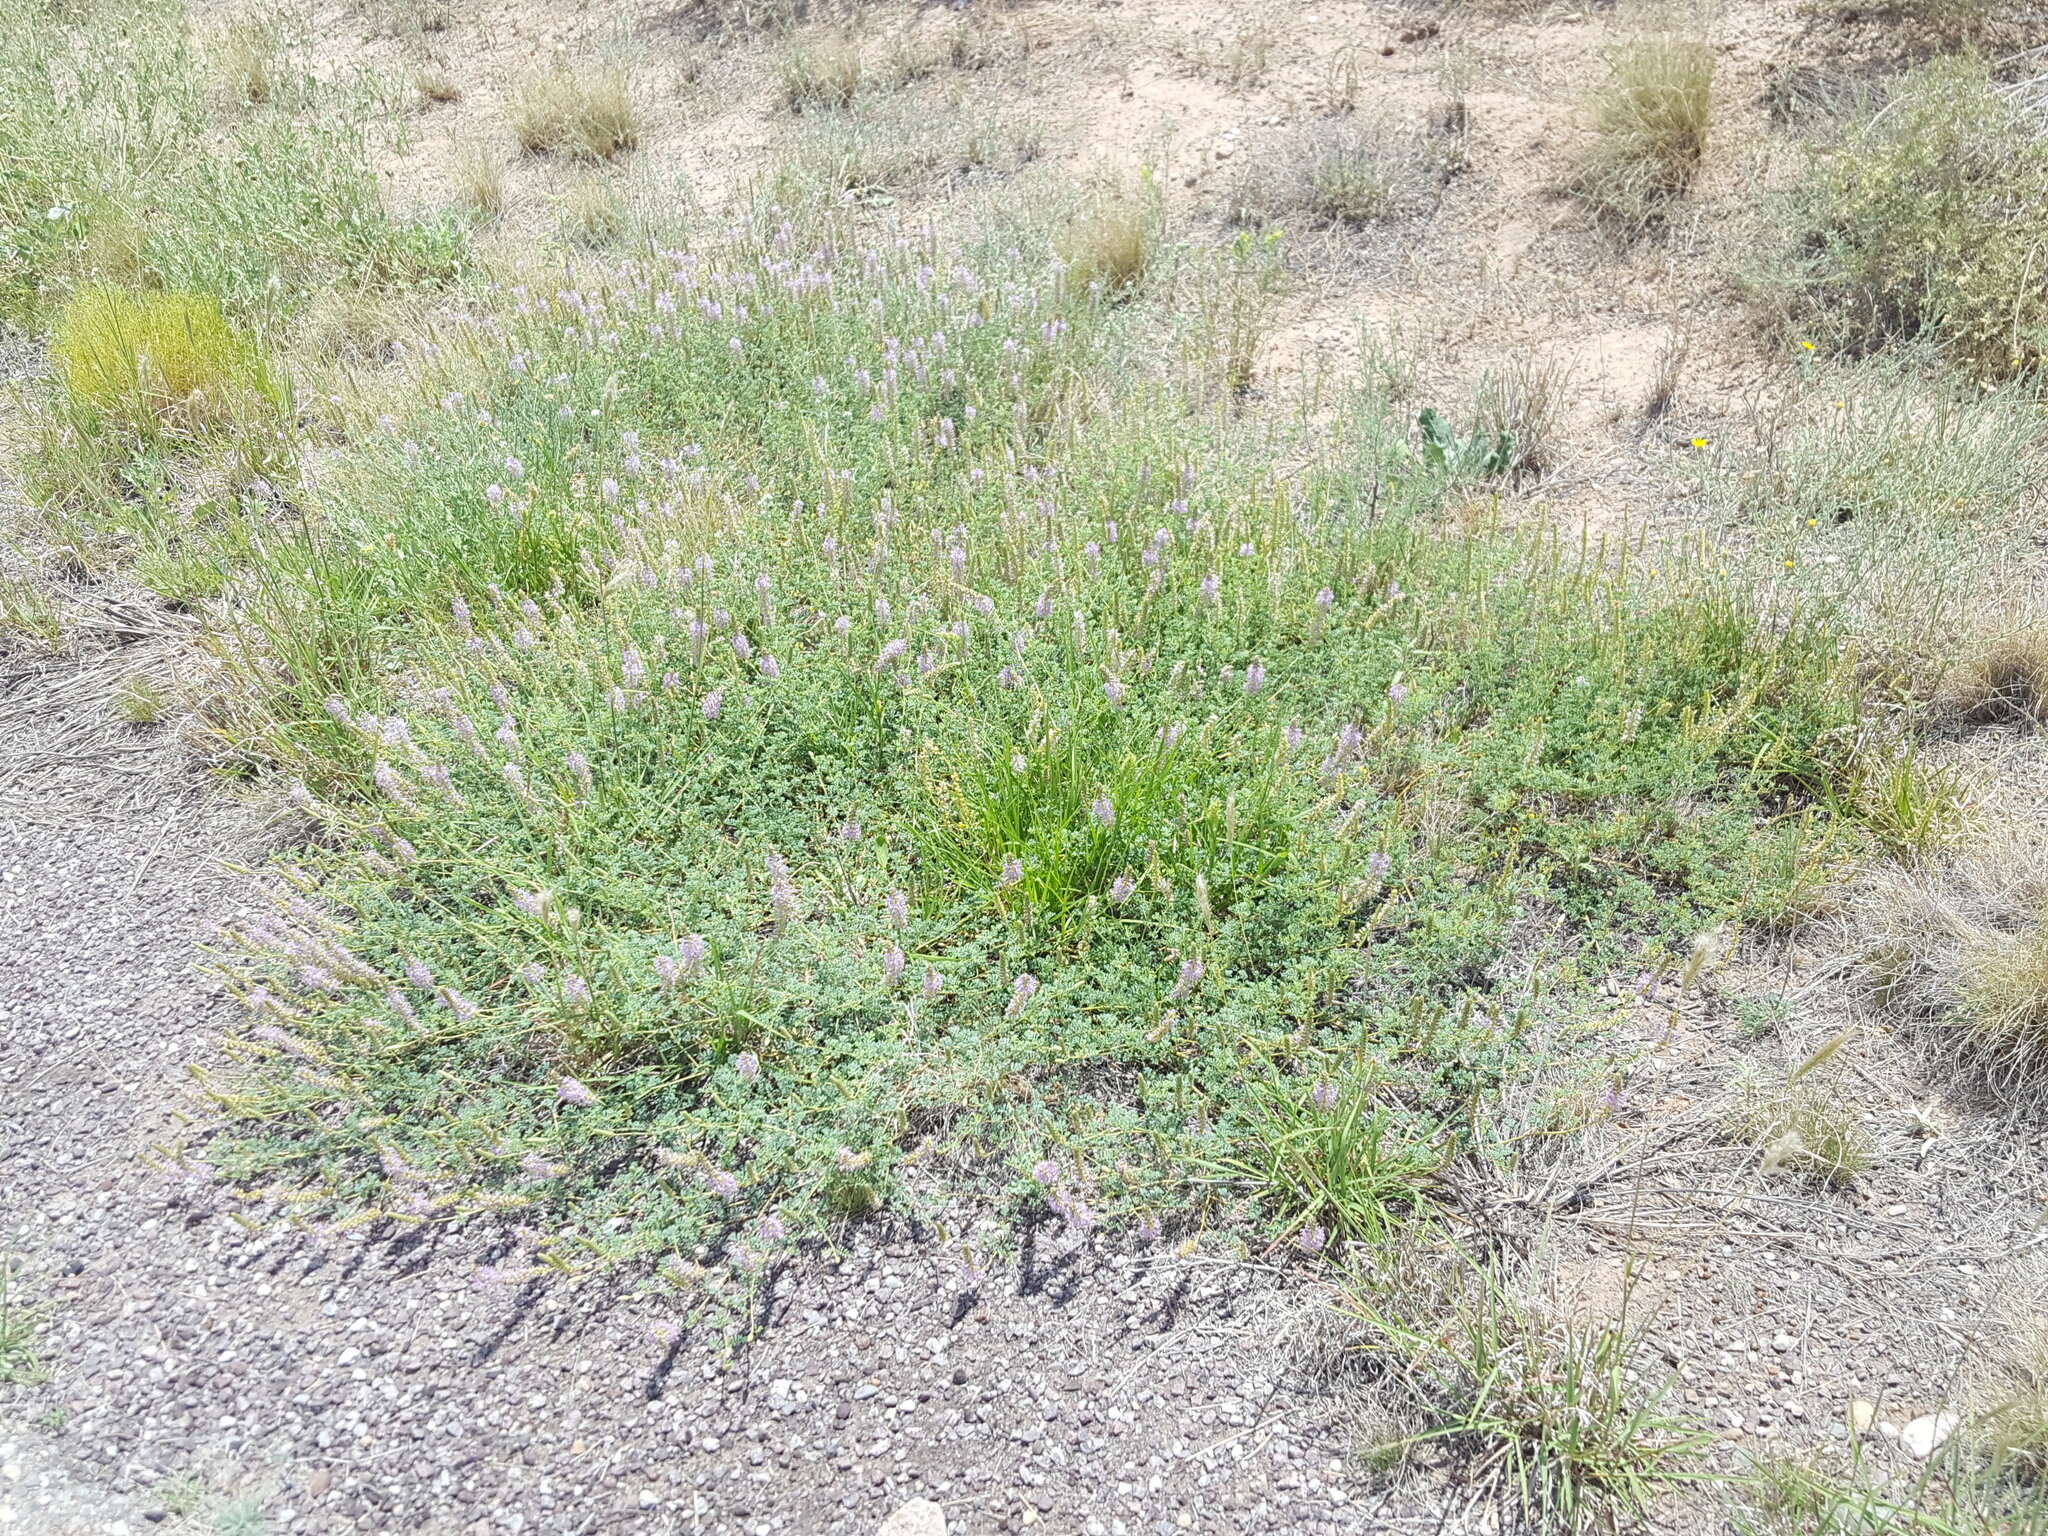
(920, 1517)
(1862, 1414)
(1927, 1434)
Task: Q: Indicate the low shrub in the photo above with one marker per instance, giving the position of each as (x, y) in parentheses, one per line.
(851, 750)
(1925, 217)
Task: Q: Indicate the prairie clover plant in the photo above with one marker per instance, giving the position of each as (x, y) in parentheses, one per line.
(782, 746)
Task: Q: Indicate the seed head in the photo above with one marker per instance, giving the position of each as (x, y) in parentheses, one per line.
(569, 1091)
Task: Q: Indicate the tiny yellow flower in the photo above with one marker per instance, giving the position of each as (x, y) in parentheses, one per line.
(1807, 344)
(1699, 442)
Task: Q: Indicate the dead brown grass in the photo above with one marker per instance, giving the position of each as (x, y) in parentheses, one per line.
(2003, 679)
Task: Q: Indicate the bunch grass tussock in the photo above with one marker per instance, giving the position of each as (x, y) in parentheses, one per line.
(1559, 1419)
(1650, 123)
(1348, 175)
(824, 73)
(246, 55)
(1114, 239)
(1808, 1122)
(2006, 1426)
(2001, 677)
(480, 180)
(157, 362)
(583, 109)
(1961, 951)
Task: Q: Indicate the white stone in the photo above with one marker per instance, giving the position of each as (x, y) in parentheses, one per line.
(920, 1517)
(1927, 1434)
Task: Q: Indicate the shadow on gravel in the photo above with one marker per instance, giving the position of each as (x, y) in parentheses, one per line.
(522, 1308)
(1058, 1282)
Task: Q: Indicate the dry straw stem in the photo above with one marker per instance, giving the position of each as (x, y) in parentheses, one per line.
(580, 110)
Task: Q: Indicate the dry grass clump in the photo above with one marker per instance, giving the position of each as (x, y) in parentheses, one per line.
(1554, 1419)
(434, 84)
(1354, 178)
(1803, 1126)
(575, 111)
(1962, 951)
(1651, 120)
(823, 74)
(1524, 404)
(2007, 1424)
(2003, 678)
(1242, 62)
(355, 325)
(1350, 176)
(156, 362)
(246, 56)
(592, 213)
(1109, 246)
(480, 181)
